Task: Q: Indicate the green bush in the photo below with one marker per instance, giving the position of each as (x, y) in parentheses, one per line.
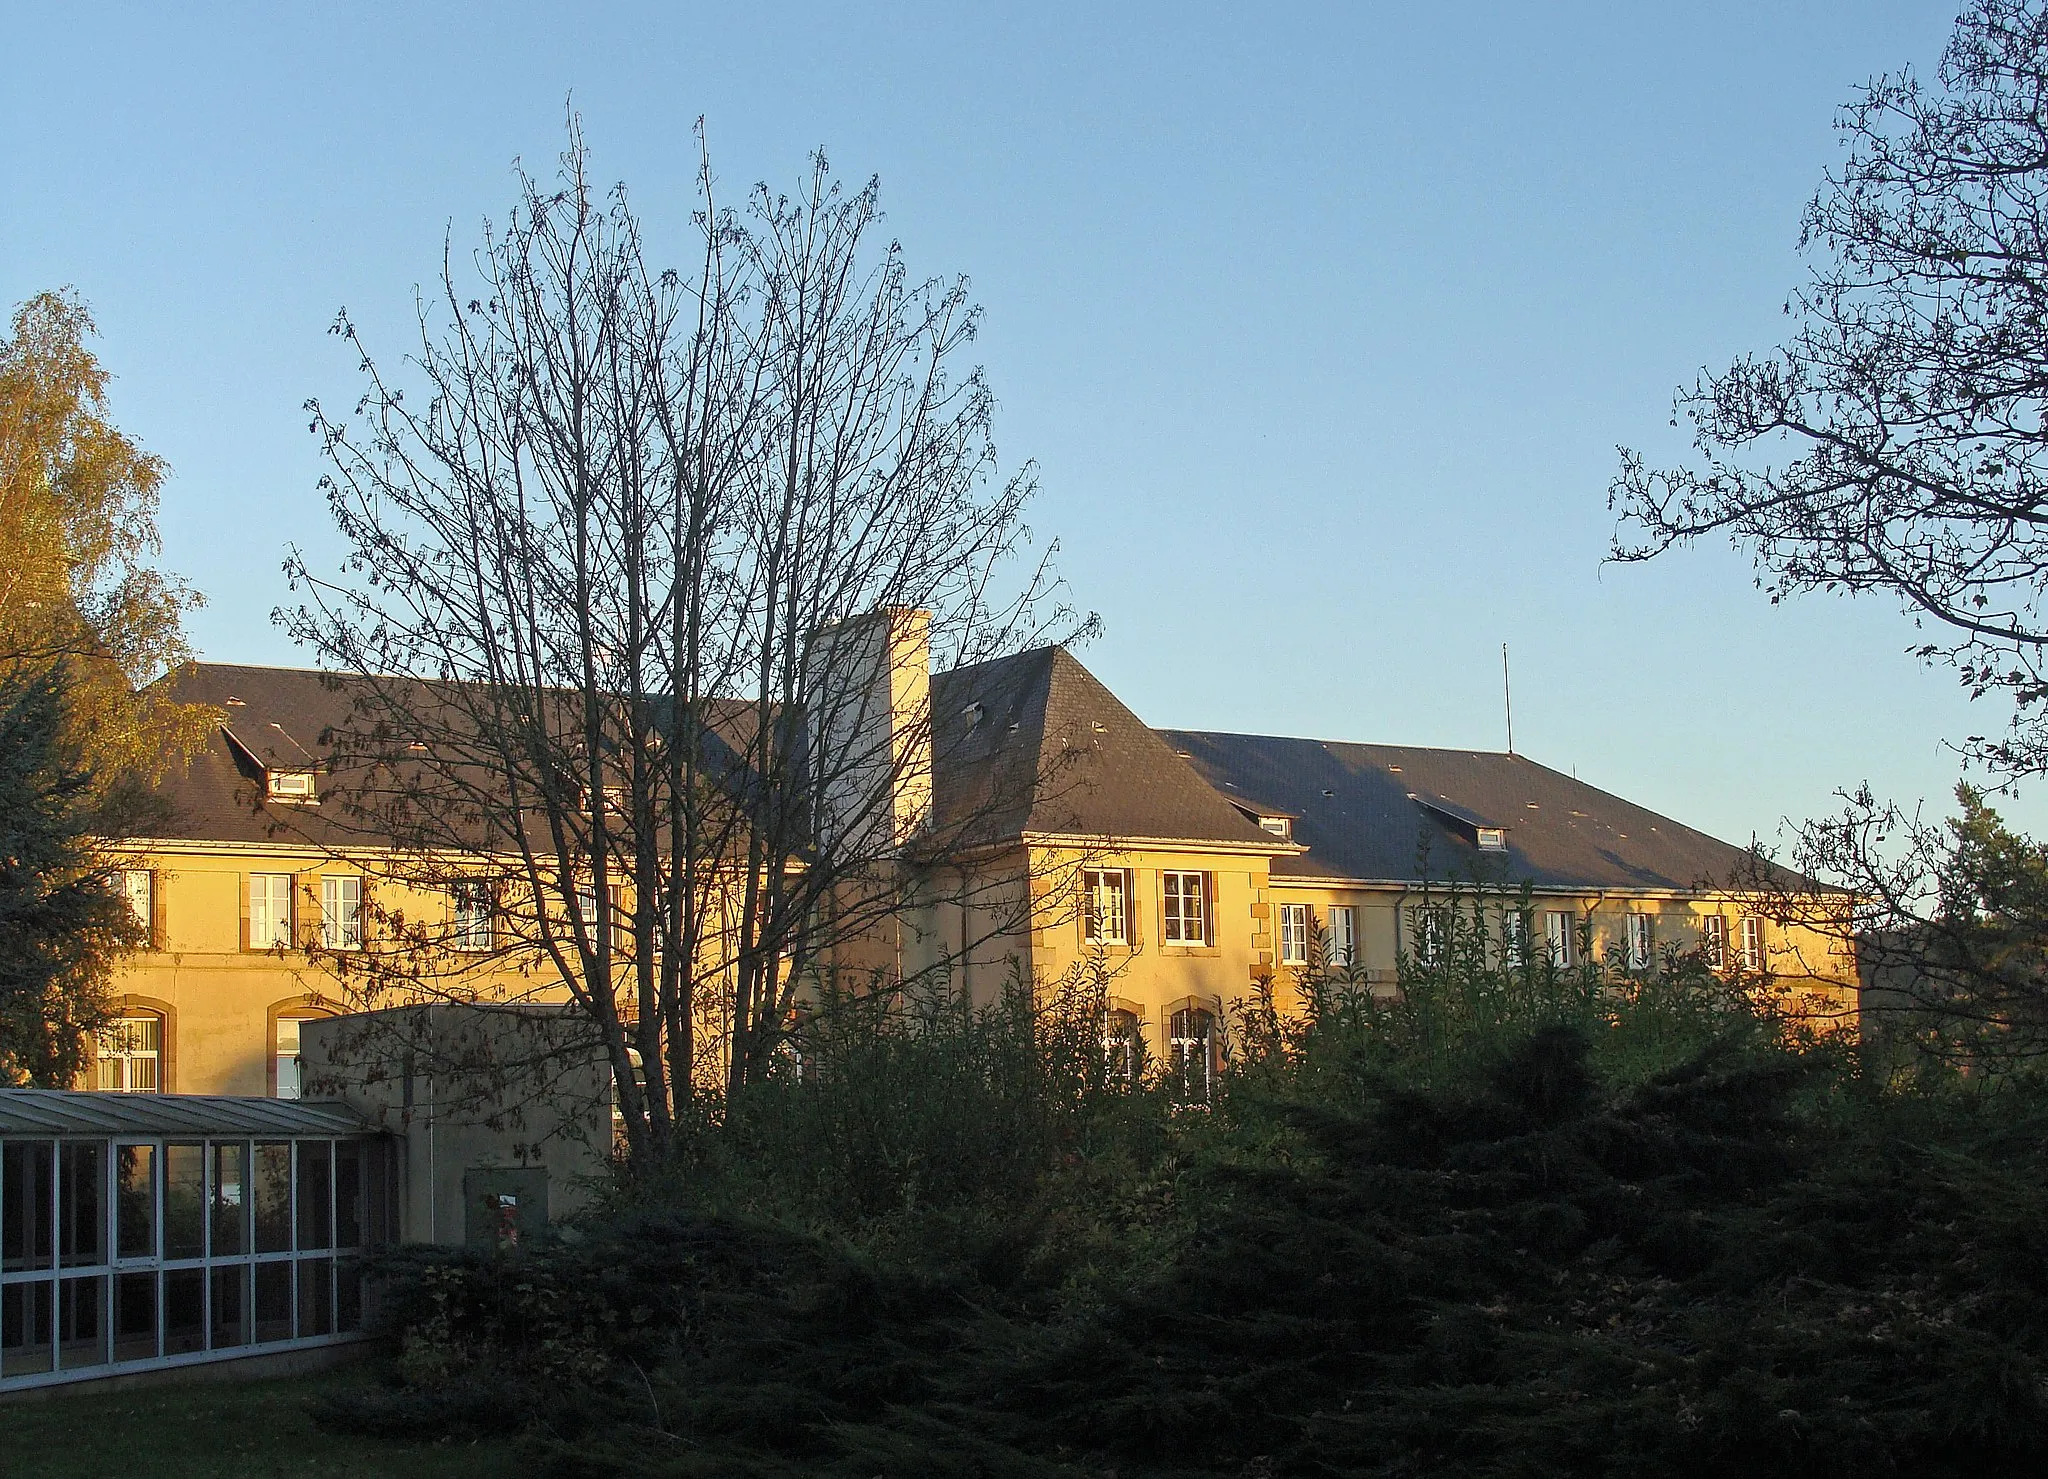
(1563, 1223)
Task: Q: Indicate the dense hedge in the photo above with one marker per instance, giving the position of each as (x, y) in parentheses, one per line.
(1544, 1259)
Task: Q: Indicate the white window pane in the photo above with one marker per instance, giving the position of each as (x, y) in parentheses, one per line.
(473, 916)
(1752, 943)
(130, 1055)
(270, 911)
(341, 913)
(1343, 934)
(288, 1068)
(138, 886)
(1294, 934)
(1558, 935)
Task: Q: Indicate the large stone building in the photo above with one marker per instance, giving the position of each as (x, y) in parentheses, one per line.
(1190, 865)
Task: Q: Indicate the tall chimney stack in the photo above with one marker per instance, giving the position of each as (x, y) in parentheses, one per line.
(869, 686)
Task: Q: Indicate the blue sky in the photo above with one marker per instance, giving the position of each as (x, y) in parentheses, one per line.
(1322, 323)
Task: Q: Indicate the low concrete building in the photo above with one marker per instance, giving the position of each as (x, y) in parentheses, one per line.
(501, 1115)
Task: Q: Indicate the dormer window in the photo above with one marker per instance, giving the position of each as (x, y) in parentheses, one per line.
(1484, 833)
(1278, 826)
(289, 785)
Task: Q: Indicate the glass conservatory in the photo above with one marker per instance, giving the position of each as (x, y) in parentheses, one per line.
(145, 1231)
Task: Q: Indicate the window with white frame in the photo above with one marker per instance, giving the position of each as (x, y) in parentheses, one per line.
(1294, 934)
(1514, 937)
(270, 911)
(1123, 1048)
(1492, 839)
(1752, 943)
(130, 1054)
(341, 912)
(1432, 933)
(1185, 917)
(1191, 1055)
(1343, 935)
(1105, 906)
(614, 916)
(138, 887)
(1561, 935)
(1642, 942)
(290, 785)
(289, 1075)
(473, 917)
(638, 1064)
(1714, 940)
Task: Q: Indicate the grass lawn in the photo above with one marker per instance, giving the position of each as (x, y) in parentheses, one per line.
(217, 1430)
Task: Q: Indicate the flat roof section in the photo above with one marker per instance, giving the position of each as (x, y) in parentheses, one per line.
(84, 1112)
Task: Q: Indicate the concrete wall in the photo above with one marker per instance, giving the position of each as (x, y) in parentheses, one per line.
(486, 1102)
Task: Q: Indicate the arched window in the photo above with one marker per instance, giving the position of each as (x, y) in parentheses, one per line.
(1191, 1055)
(1123, 1049)
(130, 1051)
(287, 1073)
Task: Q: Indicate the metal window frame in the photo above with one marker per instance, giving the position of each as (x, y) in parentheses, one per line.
(111, 1265)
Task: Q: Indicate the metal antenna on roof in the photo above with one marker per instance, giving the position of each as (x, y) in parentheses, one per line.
(1507, 695)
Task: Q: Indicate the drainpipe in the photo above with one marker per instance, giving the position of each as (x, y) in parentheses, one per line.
(1400, 909)
(433, 1180)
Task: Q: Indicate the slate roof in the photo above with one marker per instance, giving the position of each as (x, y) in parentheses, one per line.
(1035, 743)
(276, 717)
(1370, 811)
(283, 718)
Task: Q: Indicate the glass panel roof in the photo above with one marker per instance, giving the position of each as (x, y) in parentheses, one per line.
(73, 1112)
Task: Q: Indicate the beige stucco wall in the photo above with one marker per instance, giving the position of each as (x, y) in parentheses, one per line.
(219, 999)
(1816, 969)
(1148, 977)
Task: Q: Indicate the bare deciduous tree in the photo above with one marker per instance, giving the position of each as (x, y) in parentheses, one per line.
(639, 606)
(1912, 396)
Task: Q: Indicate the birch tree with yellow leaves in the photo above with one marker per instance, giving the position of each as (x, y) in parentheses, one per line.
(78, 588)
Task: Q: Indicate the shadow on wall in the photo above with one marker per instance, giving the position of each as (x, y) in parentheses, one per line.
(502, 1114)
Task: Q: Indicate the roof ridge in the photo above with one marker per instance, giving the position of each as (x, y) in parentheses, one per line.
(1308, 739)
